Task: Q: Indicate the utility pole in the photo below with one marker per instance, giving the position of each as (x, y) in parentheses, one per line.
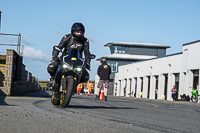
(0, 21)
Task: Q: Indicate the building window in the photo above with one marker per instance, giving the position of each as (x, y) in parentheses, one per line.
(119, 49)
(113, 66)
(115, 50)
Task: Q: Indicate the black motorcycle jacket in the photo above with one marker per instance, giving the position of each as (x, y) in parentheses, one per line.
(68, 42)
(104, 71)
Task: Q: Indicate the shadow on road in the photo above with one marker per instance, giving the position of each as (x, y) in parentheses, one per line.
(2, 98)
(39, 94)
(97, 107)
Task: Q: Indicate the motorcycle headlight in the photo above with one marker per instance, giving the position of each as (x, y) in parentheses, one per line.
(66, 66)
(78, 69)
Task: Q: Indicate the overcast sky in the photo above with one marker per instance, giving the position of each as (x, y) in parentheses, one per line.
(42, 24)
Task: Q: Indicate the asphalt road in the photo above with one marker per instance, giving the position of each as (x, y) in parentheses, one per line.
(34, 113)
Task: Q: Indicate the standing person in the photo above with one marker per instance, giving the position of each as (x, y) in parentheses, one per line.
(125, 91)
(174, 93)
(116, 91)
(156, 93)
(79, 87)
(74, 40)
(89, 86)
(103, 71)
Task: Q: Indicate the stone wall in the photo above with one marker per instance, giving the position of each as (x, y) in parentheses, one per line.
(14, 79)
(2, 69)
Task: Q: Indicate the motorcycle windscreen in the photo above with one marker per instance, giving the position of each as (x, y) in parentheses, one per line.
(73, 54)
(73, 58)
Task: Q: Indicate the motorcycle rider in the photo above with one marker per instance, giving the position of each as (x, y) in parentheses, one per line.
(74, 40)
(194, 93)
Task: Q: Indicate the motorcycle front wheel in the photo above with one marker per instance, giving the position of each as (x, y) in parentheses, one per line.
(194, 99)
(68, 87)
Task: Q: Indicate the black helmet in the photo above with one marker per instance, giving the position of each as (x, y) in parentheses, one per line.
(77, 27)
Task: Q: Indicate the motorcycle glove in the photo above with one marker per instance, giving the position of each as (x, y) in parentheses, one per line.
(88, 66)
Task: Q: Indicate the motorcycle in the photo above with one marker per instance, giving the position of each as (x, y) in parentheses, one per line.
(69, 74)
(185, 98)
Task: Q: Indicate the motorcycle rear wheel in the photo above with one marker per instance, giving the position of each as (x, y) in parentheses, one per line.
(68, 87)
(54, 101)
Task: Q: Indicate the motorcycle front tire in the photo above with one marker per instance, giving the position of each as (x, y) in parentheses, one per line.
(68, 87)
(194, 99)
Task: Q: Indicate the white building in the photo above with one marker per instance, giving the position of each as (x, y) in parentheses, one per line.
(123, 53)
(180, 69)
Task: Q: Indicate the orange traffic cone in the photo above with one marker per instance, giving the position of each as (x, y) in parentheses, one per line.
(101, 97)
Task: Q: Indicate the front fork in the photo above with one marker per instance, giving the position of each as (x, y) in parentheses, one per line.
(61, 88)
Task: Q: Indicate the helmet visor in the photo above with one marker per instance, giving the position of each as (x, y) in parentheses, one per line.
(78, 32)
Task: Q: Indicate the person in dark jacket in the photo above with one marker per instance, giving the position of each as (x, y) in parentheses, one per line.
(74, 40)
(104, 71)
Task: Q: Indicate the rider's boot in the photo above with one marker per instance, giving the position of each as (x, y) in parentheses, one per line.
(55, 89)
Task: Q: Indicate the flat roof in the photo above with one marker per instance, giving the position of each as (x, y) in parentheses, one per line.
(162, 57)
(127, 57)
(135, 44)
(191, 42)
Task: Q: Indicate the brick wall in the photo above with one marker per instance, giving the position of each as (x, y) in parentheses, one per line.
(14, 78)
